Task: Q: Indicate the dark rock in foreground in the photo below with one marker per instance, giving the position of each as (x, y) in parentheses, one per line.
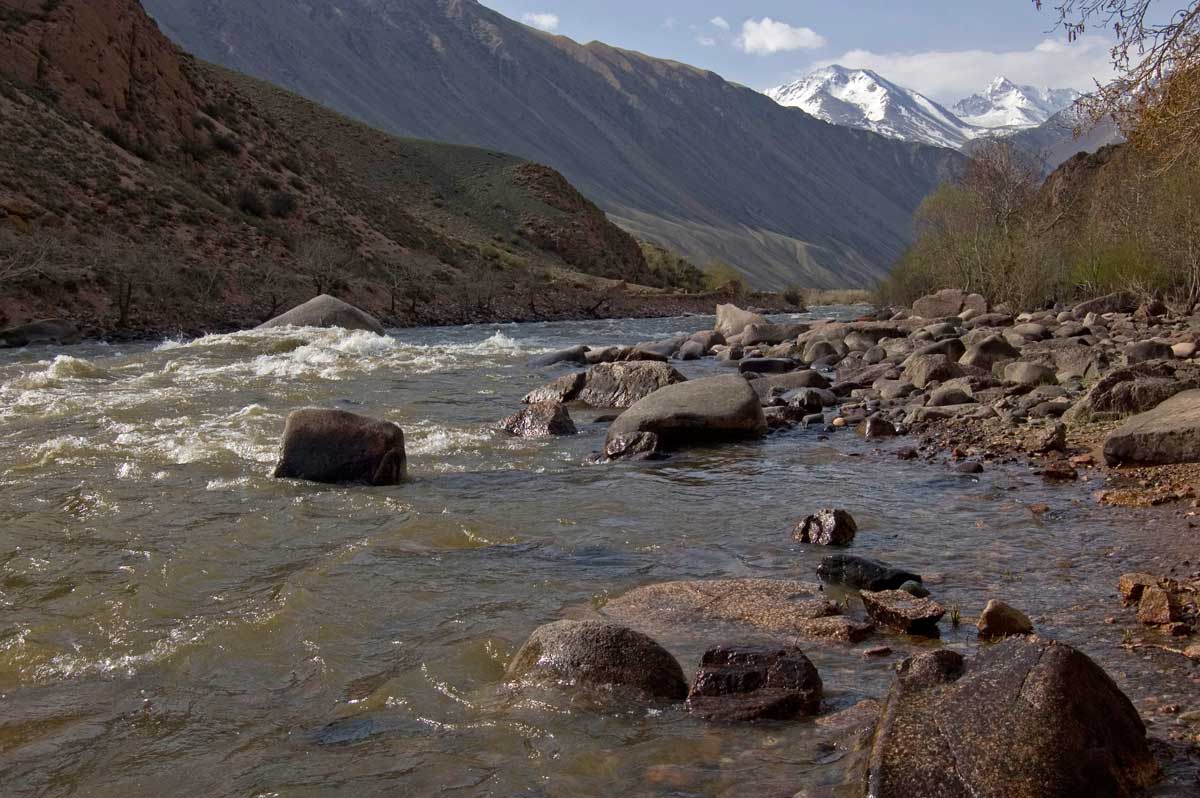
(598, 654)
(541, 420)
(37, 333)
(334, 446)
(903, 611)
(743, 683)
(1029, 718)
(826, 528)
(863, 573)
(326, 311)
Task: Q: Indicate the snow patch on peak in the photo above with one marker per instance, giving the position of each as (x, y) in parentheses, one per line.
(1005, 104)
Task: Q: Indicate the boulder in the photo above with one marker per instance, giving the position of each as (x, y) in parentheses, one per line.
(707, 339)
(1126, 391)
(334, 446)
(1028, 374)
(819, 350)
(743, 683)
(1170, 433)
(827, 527)
(949, 396)
(876, 427)
(771, 334)
(989, 351)
(624, 384)
(1131, 586)
(948, 302)
(775, 606)
(1028, 718)
(575, 354)
(1184, 350)
(732, 320)
(903, 611)
(541, 420)
(1142, 351)
(326, 311)
(925, 369)
(40, 333)
(1158, 606)
(1001, 620)
(635, 446)
(863, 573)
(696, 411)
(691, 350)
(664, 349)
(1047, 439)
(766, 365)
(598, 654)
(564, 389)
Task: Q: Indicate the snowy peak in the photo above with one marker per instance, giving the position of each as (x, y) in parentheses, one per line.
(1004, 104)
(861, 98)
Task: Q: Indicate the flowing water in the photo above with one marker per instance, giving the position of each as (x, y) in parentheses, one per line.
(175, 622)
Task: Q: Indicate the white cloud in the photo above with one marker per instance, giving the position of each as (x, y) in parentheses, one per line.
(949, 75)
(719, 22)
(546, 22)
(706, 41)
(766, 36)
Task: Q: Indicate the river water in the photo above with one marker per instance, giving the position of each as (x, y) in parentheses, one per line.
(175, 622)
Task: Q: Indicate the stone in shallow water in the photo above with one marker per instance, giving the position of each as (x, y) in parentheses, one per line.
(775, 606)
(902, 611)
(541, 420)
(864, 573)
(334, 446)
(743, 682)
(1001, 620)
(828, 527)
(1158, 606)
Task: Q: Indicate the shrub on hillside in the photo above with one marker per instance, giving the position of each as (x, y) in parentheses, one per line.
(251, 202)
(282, 204)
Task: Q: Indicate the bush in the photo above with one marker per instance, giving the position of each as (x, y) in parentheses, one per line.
(282, 204)
(249, 202)
(227, 144)
(199, 151)
(794, 296)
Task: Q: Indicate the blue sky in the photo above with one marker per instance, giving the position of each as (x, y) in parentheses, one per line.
(944, 48)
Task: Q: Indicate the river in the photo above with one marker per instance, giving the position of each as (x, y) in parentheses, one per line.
(175, 622)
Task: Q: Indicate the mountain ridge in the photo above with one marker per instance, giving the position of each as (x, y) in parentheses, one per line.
(1005, 104)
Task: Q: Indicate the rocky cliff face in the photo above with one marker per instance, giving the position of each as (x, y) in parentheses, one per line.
(674, 153)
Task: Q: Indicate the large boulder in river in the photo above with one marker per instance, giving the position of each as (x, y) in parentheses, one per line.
(625, 384)
(732, 320)
(1028, 718)
(36, 333)
(598, 654)
(746, 682)
(540, 420)
(326, 311)
(1170, 433)
(696, 411)
(335, 446)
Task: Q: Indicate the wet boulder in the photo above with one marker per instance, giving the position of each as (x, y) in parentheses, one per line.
(1170, 433)
(624, 384)
(691, 350)
(903, 611)
(541, 420)
(634, 446)
(40, 333)
(739, 683)
(564, 389)
(326, 311)
(334, 446)
(664, 349)
(1027, 718)
(863, 573)
(598, 654)
(732, 320)
(574, 354)
(875, 428)
(695, 412)
(1001, 620)
(828, 527)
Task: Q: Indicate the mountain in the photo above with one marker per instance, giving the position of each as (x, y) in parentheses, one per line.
(141, 188)
(861, 98)
(1055, 141)
(1004, 104)
(674, 154)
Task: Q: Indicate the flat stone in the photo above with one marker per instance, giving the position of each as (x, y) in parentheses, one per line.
(1170, 433)
(902, 611)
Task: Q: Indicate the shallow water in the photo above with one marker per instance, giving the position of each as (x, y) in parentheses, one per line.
(175, 622)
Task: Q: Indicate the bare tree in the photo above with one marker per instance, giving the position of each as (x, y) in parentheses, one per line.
(268, 284)
(29, 256)
(1004, 178)
(324, 261)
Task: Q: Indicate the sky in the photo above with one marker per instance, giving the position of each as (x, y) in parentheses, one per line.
(947, 49)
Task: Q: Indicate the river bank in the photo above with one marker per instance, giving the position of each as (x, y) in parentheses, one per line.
(176, 620)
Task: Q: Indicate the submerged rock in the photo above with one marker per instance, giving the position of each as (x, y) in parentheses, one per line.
(827, 527)
(743, 683)
(863, 573)
(39, 333)
(903, 611)
(695, 412)
(774, 606)
(326, 311)
(1029, 718)
(541, 420)
(598, 654)
(334, 446)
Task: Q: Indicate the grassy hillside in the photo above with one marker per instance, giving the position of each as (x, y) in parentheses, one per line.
(142, 188)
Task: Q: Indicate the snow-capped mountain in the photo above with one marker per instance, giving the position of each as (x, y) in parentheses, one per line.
(1006, 104)
(861, 98)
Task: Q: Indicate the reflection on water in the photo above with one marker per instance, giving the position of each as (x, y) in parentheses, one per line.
(173, 621)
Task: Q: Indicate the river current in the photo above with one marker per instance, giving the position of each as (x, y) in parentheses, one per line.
(173, 621)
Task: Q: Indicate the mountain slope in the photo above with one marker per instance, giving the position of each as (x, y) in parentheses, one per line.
(673, 153)
(1054, 141)
(861, 98)
(1004, 104)
(145, 185)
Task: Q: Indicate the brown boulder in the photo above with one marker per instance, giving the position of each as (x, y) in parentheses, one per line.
(541, 420)
(743, 683)
(903, 611)
(334, 446)
(1001, 620)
